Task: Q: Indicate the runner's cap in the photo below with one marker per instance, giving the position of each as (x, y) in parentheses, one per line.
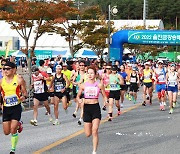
(160, 61)
(49, 71)
(58, 66)
(10, 64)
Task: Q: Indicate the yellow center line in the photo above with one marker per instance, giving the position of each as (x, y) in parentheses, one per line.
(46, 148)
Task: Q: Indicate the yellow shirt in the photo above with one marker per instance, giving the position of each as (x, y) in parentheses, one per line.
(147, 76)
(67, 73)
(10, 92)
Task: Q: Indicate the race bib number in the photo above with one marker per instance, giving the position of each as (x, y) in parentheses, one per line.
(147, 77)
(172, 84)
(59, 87)
(113, 86)
(161, 78)
(91, 92)
(38, 87)
(11, 100)
(133, 80)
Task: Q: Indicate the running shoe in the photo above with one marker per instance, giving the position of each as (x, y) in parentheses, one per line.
(122, 105)
(174, 105)
(134, 101)
(171, 110)
(162, 108)
(20, 127)
(127, 95)
(110, 119)
(93, 152)
(69, 103)
(50, 119)
(165, 104)
(79, 122)
(46, 113)
(104, 108)
(12, 152)
(119, 113)
(34, 122)
(56, 122)
(130, 98)
(144, 103)
(74, 115)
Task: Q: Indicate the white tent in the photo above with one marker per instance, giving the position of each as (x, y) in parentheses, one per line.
(18, 54)
(85, 52)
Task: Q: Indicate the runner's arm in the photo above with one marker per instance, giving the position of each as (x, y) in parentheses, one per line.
(81, 89)
(121, 79)
(101, 86)
(67, 81)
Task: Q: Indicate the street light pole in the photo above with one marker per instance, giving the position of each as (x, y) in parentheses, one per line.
(111, 10)
(109, 31)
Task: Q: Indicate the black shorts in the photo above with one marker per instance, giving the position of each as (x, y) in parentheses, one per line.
(50, 94)
(60, 95)
(115, 94)
(91, 112)
(12, 113)
(133, 87)
(41, 97)
(74, 92)
(123, 87)
(148, 85)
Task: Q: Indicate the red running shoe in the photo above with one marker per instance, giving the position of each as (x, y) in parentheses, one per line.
(20, 127)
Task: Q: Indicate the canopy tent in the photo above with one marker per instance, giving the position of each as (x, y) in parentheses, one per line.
(84, 52)
(65, 53)
(18, 54)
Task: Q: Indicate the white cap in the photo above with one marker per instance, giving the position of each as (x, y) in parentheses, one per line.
(160, 61)
(52, 62)
(147, 63)
(64, 64)
(49, 70)
(129, 64)
(58, 66)
(127, 61)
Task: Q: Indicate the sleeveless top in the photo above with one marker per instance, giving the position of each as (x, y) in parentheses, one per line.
(172, 79)
(133, 78)
(113, 79)
(147, 76)
(91, 91)
(105, 80)
(39, 84)
(59, 83)
(160, 76)
(10, 92)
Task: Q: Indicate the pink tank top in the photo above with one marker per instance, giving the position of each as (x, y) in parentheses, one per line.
(91, 91)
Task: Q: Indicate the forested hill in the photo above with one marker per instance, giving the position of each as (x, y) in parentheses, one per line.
(167, 10)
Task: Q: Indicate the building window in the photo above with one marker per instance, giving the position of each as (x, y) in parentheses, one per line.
(0, 43)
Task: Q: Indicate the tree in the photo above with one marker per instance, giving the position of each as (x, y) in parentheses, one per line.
(32, 19)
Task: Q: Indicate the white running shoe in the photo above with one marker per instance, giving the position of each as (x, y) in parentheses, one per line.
(56, 122)
(34, 122)
(122, 105)
(50, 119)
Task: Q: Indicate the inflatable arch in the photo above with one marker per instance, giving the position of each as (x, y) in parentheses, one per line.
(147, 37)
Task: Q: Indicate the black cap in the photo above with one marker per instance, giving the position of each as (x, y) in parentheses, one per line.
(114, 68)
(34, 69)
(10, 64)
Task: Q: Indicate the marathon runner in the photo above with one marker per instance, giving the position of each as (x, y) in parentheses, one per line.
(40, 94)
(60, 84)
(148, 85)
(13, 89)
(92, 111)
(115, 80)
(160, 81)
(172, 88)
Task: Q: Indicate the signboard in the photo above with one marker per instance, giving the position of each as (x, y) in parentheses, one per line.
(43, 54)
(114, 54)
(154, 37)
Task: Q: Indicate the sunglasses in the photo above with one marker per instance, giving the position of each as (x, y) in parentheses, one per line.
(2, 64)
(7, 69)
(81, 65)
(108, 68)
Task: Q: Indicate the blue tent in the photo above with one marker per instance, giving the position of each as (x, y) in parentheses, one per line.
(86, 53)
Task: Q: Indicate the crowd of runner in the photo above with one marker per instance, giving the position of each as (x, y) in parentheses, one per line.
(83, 80)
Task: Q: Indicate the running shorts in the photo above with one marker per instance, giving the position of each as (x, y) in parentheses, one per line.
(173, 89)
(12, 113)
(50, 94)
(148, 85)
(74, 92)
(134, 87)
(41, 97)
(60, 95)
(91, 112)
(123, 87)
(115, 94)
(160, 87)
